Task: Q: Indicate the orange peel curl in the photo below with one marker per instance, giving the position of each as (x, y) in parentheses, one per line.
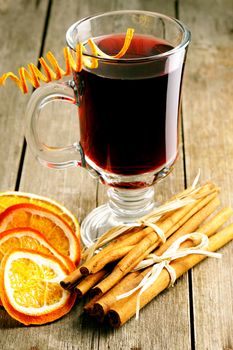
(53, 71)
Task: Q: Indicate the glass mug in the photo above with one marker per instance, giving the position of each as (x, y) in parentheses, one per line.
(128, 111)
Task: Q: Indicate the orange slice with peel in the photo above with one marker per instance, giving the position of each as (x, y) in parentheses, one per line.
(14, 197)
(52, 226)
(28, 238)
(31, 292)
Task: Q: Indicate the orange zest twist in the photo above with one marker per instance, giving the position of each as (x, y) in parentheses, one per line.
(55, 72)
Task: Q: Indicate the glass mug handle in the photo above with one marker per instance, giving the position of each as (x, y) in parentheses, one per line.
(52, 157)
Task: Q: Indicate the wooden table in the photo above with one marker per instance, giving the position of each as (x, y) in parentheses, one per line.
(198, 312)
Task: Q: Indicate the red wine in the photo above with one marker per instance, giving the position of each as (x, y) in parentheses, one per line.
(130, 126)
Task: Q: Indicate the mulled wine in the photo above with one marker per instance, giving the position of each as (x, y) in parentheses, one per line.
(129, 125)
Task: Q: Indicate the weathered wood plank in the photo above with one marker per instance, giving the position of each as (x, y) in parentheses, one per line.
(166, 316)
(74, 188)
(18, 46)
(208, 127)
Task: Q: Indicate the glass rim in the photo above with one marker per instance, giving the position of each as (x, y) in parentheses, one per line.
(184, 41)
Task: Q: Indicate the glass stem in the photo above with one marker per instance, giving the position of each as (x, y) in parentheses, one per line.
(131, 204)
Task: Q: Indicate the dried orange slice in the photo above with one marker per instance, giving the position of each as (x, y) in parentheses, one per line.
(56, 230)
(14, 197)
(28, 238)
(31, 292)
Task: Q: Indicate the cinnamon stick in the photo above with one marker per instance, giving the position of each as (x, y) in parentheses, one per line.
(112, 256)
(170, 225)
(124, 309)
(103, 304)
(71, 280)
(211, 226)
(148, 244)
(88, 282)
(89, 266)
(88, 308)
(194, 222)
(199, 205)
(123, 231)
(98, 291)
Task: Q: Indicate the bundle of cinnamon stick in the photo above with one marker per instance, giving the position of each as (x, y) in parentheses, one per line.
(111, 272)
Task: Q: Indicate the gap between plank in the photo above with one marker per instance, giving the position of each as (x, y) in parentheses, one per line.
(24, 147)
(190, 284)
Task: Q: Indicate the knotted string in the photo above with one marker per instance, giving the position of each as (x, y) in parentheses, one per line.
(154, 227)
(179, 201)
(163, 261)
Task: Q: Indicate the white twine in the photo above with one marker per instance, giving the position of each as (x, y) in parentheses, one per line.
(196, 180)
(163, 261)
(154, 227)
(184, 198)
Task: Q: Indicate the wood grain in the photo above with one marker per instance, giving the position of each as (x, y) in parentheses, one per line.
(77, 191)
(18, 46)
(208, 130)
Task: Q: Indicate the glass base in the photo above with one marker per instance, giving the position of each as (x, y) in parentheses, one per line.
(124, 208)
